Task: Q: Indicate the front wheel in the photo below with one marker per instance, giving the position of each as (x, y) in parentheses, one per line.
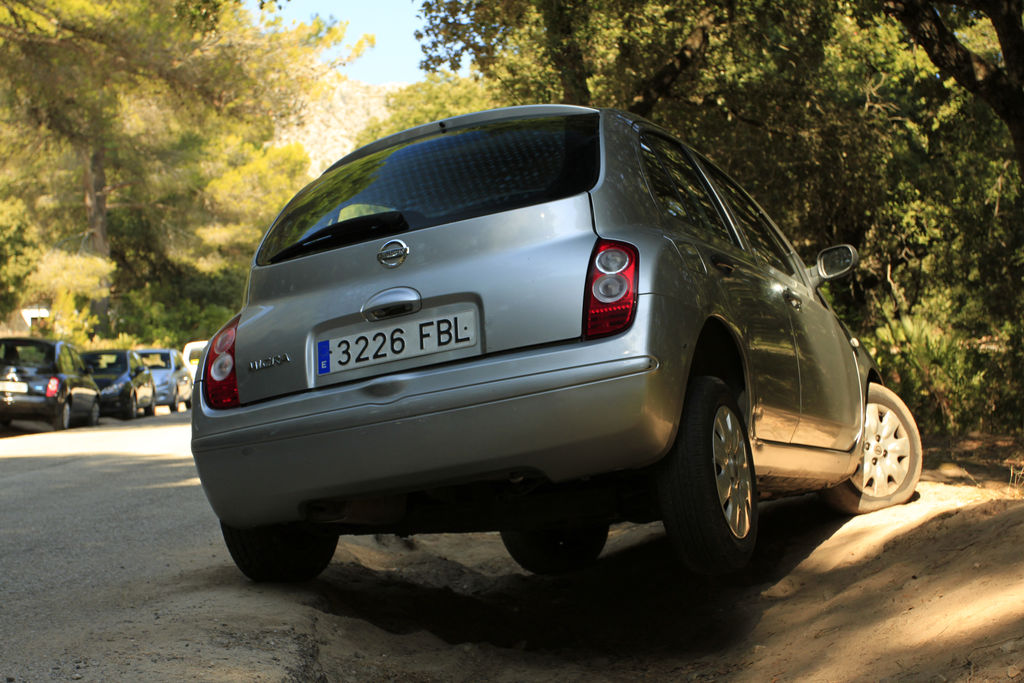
(173, 405)
(891, 458)
(555, 551)
(284, 554)
(93, 418)
(131, 409)
(706, 485)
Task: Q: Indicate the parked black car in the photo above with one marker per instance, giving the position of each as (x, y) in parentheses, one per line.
(46, 380)
(125, 382)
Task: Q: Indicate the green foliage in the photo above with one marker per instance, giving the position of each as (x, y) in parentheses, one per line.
(843, 129)
(439, 96)
(167, 129)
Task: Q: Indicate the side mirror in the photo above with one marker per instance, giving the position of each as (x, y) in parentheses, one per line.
(833, 263)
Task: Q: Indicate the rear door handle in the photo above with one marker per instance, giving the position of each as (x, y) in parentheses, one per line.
(792, 299)
(723, 263)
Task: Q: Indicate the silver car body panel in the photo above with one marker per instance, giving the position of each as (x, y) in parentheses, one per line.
(528, 395)
(563, 411)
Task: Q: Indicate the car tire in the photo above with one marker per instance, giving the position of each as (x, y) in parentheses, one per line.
(706, 485)
(188, 404)
(62, 416)
(131, 409)
(284, 554)
(93, 418)
(555, 551)
(173, 405)
(150, 410)
(891, 458)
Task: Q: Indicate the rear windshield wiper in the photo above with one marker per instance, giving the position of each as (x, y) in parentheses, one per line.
(358, 229)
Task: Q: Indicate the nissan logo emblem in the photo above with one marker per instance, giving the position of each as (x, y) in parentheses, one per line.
(393, 253)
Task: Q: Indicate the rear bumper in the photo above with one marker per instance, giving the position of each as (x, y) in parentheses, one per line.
(27, 406)
(563, 412)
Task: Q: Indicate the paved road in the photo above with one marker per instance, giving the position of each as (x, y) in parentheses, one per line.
(112, 569)
(93, 521)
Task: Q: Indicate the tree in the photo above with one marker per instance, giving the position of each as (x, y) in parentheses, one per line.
(127, 110)
(996, 77)
(439, 96)
(826, 112)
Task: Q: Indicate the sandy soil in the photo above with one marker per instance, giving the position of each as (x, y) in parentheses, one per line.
(928, 591)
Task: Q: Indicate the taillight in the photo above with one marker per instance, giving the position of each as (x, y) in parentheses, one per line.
(52, 387)
(611, 289)
(220, 383)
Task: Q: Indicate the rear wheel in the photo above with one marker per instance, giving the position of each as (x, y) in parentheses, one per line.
(891, 458)
(279, 553)
(706, 484)
(556, 551)
(62, 418)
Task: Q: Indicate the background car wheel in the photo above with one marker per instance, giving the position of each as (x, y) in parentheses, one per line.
(150, 410)
(93, 418)
(131, 409)
(706, 484)
(279, 553)
(188, 404)
(174, 401)
(62, 418)
(891, 458)
(555, 551)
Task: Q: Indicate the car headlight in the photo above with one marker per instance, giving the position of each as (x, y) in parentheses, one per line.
(115, 388)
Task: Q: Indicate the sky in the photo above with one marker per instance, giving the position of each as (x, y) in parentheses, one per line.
(397, 55)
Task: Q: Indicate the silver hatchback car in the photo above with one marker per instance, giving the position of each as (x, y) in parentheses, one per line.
(539, 320)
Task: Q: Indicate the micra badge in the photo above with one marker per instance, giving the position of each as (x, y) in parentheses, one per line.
(269, 362)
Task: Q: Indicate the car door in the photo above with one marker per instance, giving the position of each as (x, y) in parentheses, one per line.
(74, 378)
(830, 395)
(142, 379)
(751, 299)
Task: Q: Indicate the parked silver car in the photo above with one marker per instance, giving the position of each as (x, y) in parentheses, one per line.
(171, 375)
(539, 320)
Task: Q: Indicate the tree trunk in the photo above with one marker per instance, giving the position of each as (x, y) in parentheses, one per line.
(94, 178)
(1000, 88)
(564, 50)
(690, 53)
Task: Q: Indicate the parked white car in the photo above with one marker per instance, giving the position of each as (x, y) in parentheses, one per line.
(192, 353)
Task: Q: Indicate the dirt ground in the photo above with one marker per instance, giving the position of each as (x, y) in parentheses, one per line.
(928, 591)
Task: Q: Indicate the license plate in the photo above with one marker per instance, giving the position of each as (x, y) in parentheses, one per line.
(421, 336)
(14, 387)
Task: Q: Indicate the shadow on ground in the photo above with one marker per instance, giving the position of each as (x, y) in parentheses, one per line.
(655, 605)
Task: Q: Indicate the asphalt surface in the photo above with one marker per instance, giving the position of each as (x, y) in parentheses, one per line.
(90, 518)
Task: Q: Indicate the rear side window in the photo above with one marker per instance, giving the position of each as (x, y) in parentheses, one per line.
(679, 188)
(437, 179)
(753, 222)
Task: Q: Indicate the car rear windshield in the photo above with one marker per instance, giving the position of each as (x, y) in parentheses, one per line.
(25, 354)
(444, 177)
(156, 360)
(106, 362)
